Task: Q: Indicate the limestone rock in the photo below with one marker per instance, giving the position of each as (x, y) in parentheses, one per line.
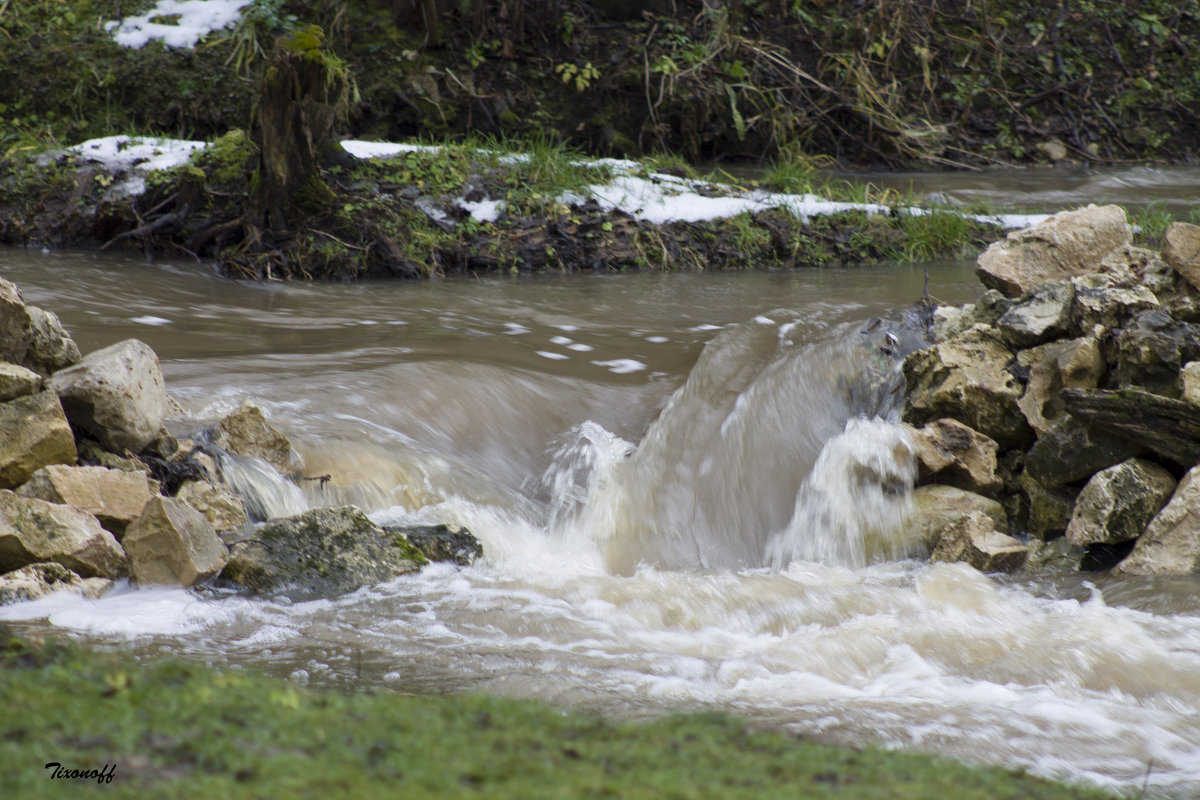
(35, 581)
(1151, 350)
(950, 321)
(116, 394)
(1050, 507)
(15, 330)
(1100, 301)
(936, 506)
(322, 552)
(957, 455)
(1071, 451)
(33, 530)
(1118, 503)
(17, 381)
(1189, 383)
(50, 346)
(441, 542)
(219, 505)
(1131, 266)
(113, 496)
(1068, 244)
(974, 540)
(1055, 555)
(1071, 364)
(33, 433)
(247, 433)
(1181, 249)
(1171, 543)
(173, 544)
(1042, 313)
(967, 378)
(990, 307)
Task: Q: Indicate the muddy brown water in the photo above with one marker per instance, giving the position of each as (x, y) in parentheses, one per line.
(635, 452)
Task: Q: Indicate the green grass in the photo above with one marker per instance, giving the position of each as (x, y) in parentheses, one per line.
(183, 730)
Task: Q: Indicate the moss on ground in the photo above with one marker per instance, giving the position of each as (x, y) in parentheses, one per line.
(183, 730)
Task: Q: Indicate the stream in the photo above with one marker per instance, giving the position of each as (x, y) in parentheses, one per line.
(682, 484)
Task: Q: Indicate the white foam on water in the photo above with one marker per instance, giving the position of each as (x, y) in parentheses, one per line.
(621, 366)
(551, 355)
(150, 320)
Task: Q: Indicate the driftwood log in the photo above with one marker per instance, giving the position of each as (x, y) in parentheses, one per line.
(1169, 427)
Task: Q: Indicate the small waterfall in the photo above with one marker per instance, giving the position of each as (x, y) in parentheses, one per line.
(752, 460)
(265, 492)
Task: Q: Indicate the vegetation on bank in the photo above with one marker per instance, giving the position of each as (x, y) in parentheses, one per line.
(176, 729)
(790, 84)
(404, 216)
(902, 82)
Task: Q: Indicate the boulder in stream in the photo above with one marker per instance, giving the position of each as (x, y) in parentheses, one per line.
(967, 378)
(33, 530)
(952, 453)
(1102, 302)
(113, 496)
(1171, 542)
(34, 432)
(17, 381)
(935, 507)
(36, 581)
(1118, 503)
(173, 544)
(116, 394)
(51, 348)
(322, 552)
(441, 542)
(1041, 313)
(974, 540)
(246, 432)
(1181, 249)
(1054, 366)
(1068, 244)
(221, 507)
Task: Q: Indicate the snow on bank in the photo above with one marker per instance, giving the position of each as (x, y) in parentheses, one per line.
(654, 197)
(125, 152)
(192, 20)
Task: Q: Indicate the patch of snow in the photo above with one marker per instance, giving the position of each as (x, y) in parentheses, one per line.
(197, 18)
(361, 149)
(483, 210)
(127, 152)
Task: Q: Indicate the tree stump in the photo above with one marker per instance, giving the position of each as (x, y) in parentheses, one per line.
(305, 92)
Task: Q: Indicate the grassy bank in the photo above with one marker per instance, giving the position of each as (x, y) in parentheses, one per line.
(182, 730)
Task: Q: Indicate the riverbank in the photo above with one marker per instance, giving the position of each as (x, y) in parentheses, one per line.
(181, 729)
(381, 210)
(889, 84)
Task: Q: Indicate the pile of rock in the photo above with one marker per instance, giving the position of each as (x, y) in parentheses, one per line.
(1063, 407)
(93, 487)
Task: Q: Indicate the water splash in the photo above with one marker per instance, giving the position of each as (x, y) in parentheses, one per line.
(719, 472)
(852, 507)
